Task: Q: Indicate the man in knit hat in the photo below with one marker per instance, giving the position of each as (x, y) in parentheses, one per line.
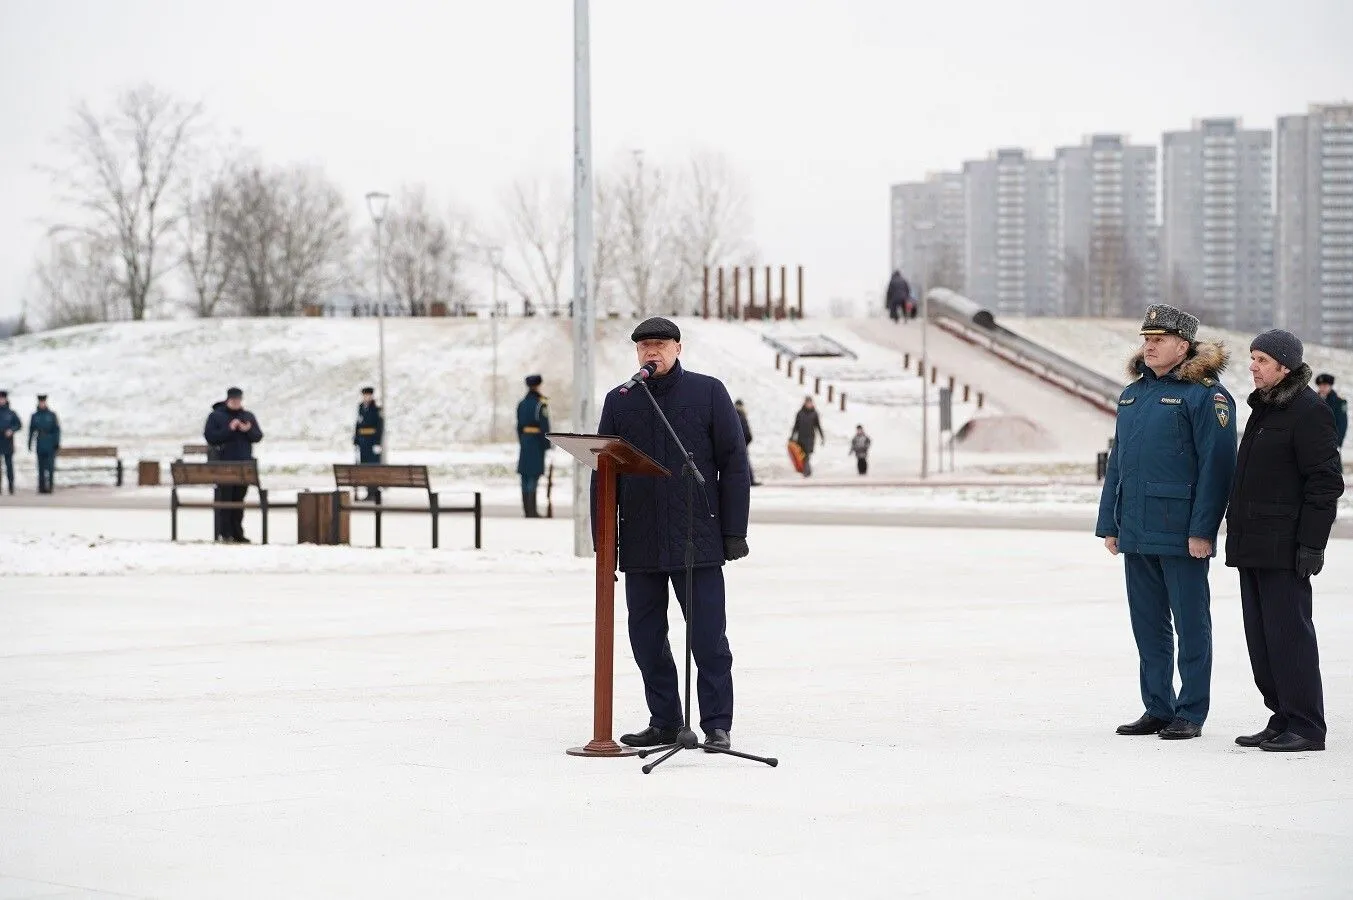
(1288, 482)
(1162, 503)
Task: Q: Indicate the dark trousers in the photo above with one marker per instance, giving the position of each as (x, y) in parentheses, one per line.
(230, 522)
(46, 471)
(8, 459)
(1283, 653)
(646, 597)
(807, 463)
(529, 483)
(366, 454)
(862, 464)
(1159, 588)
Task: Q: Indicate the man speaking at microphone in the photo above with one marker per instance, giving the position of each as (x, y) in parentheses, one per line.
(651, 536)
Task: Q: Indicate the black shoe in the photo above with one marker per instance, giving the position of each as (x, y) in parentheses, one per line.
(1287, 742)
(717, 737)
(1181, 730)
(241, 539)
(1254, 740)
(652, 736)
(224, 539)
(1147, 724)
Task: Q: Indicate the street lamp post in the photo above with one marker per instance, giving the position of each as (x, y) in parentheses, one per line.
(376, 203)
(495, 260)
(923, 244)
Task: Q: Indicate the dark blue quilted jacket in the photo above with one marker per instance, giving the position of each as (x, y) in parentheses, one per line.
(652, 532)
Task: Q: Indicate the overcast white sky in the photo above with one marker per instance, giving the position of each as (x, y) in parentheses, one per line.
(821, 104)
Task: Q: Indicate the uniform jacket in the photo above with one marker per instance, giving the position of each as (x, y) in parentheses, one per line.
(1174, 452)
(1339, 406)
(226, 443)
(807, 428)
(370, 427)
(1288, 479)
(44, 428)
(9, 421)
(746, 426)
(533, 423)
(652, 528)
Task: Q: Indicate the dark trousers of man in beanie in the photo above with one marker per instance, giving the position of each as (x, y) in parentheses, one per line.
(1277, 607)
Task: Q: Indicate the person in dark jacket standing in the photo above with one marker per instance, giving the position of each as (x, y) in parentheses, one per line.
(859, 448)
(10, 424)
(231, 433)
(1324, 384)
(898, 299)
(1288, 483)
(747, 438)
(652, 531)
(44, 429)
(533, 423)
(1164, 493)
(807, 429)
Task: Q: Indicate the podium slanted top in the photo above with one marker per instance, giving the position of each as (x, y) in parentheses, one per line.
(589, 448)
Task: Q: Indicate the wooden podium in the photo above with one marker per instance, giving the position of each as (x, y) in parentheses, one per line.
(610, 457)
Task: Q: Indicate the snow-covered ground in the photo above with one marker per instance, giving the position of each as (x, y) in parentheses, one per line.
(392, 723)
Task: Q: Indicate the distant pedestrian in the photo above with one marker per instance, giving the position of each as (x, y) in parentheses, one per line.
(898, 299)
(10, 424)
(231, 432)
(533, 423)
(807, 429)
(1324, 383)
(746, 436)
(44, 429)
(859, 447)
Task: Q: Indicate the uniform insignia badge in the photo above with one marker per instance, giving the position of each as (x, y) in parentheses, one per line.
(1223, 409)
(1152, 314)
(1127, 401)
(1208, 382)
(1172, 401)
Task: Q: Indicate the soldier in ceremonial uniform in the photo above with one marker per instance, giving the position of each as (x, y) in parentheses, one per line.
(369, 432)
(533, 422)
(45, 429)
(1165, 491)
(10, 423)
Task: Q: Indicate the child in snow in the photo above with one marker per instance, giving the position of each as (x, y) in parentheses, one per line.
(859, 446)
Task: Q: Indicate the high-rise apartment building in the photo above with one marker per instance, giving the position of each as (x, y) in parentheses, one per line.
(927, 234)
(1010, 213)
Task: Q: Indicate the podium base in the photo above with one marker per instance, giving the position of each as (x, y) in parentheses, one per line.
(603, 749)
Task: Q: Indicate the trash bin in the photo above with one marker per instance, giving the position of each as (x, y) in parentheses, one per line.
(315, 516)
(148, 472)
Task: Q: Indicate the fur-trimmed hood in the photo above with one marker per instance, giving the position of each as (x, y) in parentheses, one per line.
(1284, 392)
(1207, 359)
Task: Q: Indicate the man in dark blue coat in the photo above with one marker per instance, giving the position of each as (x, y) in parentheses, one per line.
(652, 531)
(533, 423)
(231, 432)
(44, 429)
(898, 298)
(1324, 385)
(10, 424)
(368, 434)
(1164, 494)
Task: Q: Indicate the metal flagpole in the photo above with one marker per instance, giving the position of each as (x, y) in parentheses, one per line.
(584, 321)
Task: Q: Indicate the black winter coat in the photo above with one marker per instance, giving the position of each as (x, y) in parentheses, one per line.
(807, 429)
(899, 292)
(226, 443)
(1288, 478)
(652, 528)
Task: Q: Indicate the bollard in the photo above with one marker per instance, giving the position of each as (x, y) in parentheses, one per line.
(789, 368)
(906, 360)
(843, 401)
(934, 373)
(965, 393)
(830, 389)
(777, 362)
(802, 374)
(817, 386)
(920, 368)
(979, 399)
(951, 384)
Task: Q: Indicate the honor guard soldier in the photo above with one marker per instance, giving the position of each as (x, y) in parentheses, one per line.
(370, 428)
(45, 429)
(10, 423)
(1164, 494)
(533, 423)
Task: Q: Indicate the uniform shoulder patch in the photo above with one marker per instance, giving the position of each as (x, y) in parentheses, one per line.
(1208, 382)
(1222, 407)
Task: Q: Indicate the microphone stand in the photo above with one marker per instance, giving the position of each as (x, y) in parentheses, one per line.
(686, 737)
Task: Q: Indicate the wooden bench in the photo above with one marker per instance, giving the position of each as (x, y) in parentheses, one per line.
(109, 453)
(381, 477)
(235, 474)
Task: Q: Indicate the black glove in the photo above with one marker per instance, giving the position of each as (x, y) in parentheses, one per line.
(1309, 561)
(734, 547)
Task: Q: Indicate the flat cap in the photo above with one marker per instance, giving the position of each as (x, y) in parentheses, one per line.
(1322, 378)
(656, 328)
(1163, 319)
(368, 390)
(533, 380)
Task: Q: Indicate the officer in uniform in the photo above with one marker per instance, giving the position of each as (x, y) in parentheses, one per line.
(1324, 385)
(10, 423)
(1165, 491)
(533, 422)
(45, 428)
(369, 433)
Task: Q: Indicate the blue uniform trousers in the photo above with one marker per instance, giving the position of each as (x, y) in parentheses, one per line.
(8, 459)
(366, 454)
(1159, 588)
(646, 597)
(46, 470)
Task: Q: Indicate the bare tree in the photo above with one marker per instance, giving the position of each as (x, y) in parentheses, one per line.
(207, 264)
(77, 282)
(649, 263)
(287, 233)
(121, 180)
(425, 252)
(538, 226)
(713, 219)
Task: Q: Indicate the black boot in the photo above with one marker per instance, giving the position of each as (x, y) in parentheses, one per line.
(532, 512)
(1181, 730)
(652, 736)
(1147, 724)
(526, 499)
(717, 737)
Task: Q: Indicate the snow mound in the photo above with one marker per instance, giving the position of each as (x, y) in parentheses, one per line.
(1008, 434)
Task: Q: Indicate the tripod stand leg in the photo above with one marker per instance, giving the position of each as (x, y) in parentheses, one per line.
(768, 760)
(662, 759)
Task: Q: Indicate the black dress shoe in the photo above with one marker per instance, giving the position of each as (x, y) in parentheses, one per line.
(1181, 730)
(1287, 742)
(717, 737)
(1147, 724)
(652, 736)
(1254, 740)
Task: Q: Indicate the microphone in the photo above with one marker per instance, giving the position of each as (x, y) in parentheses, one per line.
(642, 375)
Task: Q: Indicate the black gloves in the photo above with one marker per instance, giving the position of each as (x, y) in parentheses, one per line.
(1309, 561)
(734, 547)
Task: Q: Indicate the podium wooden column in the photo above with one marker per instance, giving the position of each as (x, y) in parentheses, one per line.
(610, 457)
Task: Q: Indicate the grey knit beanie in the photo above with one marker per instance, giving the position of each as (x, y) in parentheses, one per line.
(1284, 346)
